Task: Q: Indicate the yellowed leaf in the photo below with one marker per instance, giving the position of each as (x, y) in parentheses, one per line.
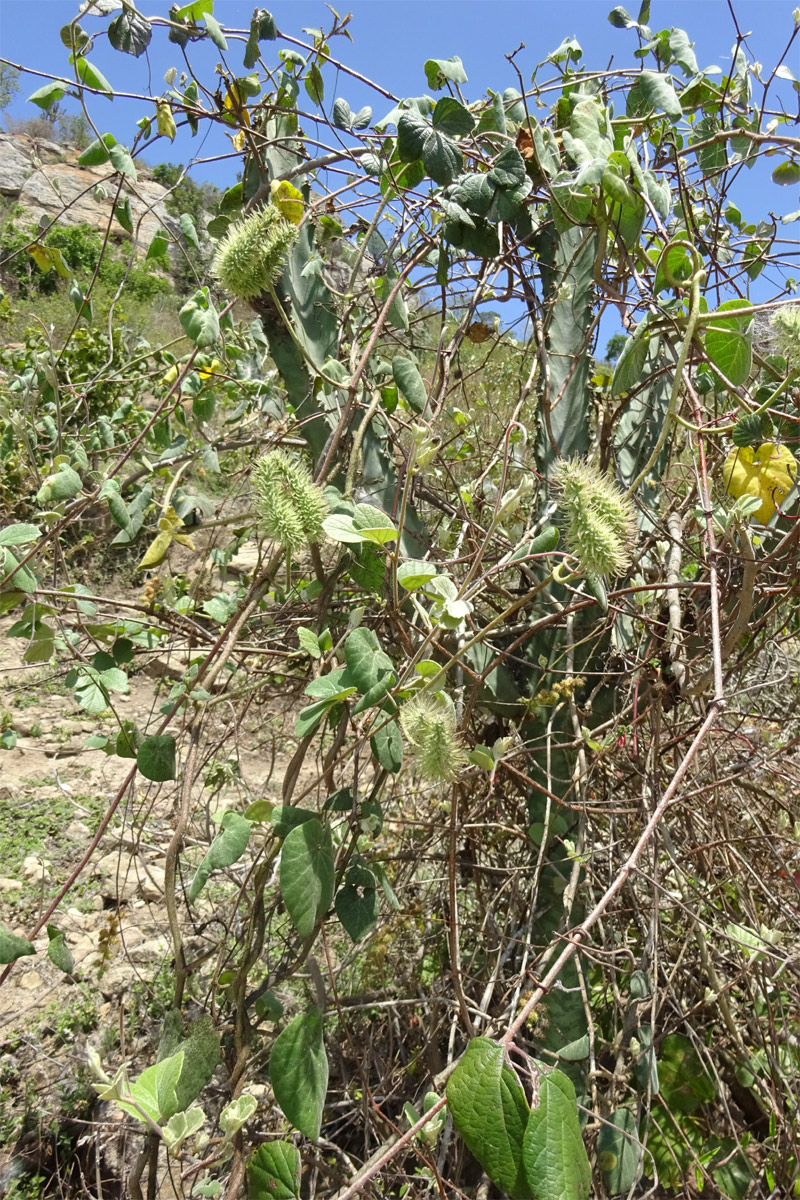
(47, 257)
(768, 473)
(170, 521)
(41, 256)
(288, 200)
(239, 141)
(165, 121)
(157, 550)
(57, 259)
(236, 103)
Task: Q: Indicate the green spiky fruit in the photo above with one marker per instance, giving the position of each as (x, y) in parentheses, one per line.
(786, 323)
(429, 724)
(598, 519)
(290, 506)
(253, 253)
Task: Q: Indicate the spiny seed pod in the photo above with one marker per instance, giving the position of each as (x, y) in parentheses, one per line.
(290, 505)
(253, 253)
(598, 518)
(430, 726)
(786, 323)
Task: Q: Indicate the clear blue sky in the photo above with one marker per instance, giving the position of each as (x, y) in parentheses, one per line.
(391, 41)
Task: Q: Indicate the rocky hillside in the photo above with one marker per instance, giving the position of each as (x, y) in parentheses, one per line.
(46, 180)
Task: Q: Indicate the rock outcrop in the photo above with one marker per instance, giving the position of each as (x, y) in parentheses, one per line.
(46, 180)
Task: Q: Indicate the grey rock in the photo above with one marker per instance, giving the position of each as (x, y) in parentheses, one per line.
(65, 191)
(15, 166)
(151, 951)
(36, 869)
(119, 879)
(246, 560)
(151, 883)
(117, 979)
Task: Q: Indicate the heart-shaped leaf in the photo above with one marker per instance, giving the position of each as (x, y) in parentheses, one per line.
(298, 1069)
(728, 342)
(227, 848)
(13, 947)
(307, 875)
(274, 1172)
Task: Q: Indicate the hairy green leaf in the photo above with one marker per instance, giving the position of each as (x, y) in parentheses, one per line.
(409, 382)
(298, 1068)
(92, 77)
(630, 364)
(45, 97)
(130, 32)
(554, 1156)
(154, 1091)
(199, 319)
(273, 1172)
(490, 1112)
(728, 341)
(306, 875)
(58, 951)
(227, 848)
(619, 1152)
(13, 947)
(262, 28)
(439, 70)
(19, 535)
(387, 746)
(366, 661)
(97, 152)
(452, 117)
(156, 757)
(357, 905)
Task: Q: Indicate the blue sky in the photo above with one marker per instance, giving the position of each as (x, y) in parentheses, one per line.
(391, 40)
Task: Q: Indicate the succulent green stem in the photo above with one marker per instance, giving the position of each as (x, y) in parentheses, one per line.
(691, 325)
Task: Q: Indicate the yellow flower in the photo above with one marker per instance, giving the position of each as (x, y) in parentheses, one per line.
(212, 369)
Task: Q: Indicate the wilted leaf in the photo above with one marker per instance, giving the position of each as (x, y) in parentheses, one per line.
(165, 121)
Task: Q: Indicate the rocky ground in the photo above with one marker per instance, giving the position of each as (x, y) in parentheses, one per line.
(54, 792)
